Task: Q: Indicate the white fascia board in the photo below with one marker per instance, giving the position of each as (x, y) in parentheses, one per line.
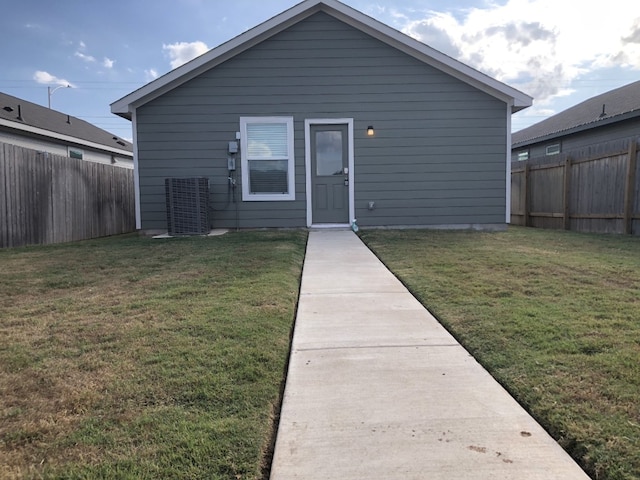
(63, 138)
(125, 106)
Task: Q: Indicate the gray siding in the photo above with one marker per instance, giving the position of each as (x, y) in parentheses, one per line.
(588, 138)
(61, 148)
(438, 156)
(616, 131)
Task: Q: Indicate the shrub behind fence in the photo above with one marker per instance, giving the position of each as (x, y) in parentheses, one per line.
(51, 199)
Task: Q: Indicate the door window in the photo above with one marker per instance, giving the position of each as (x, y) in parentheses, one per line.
(329, 153)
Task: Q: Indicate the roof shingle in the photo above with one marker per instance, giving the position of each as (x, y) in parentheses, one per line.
(24, 113)
(588, 114)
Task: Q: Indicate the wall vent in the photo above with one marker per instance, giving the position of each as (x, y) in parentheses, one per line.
(187, 202)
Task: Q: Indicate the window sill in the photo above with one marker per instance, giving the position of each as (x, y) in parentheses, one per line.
(268, 198)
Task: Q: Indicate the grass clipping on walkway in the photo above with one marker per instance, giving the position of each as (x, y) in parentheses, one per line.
(129, 357)
(554, 316)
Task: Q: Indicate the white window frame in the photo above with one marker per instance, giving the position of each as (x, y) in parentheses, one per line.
(76, 151)
(247, 196)
(523, 156)
(552, 149)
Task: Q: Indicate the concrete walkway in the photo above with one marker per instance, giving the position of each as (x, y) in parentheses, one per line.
(377, 389)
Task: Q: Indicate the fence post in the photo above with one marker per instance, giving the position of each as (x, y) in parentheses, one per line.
(566, 191)
(630, 187)
(526, 194)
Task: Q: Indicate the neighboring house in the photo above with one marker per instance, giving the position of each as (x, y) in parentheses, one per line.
(33, 126)
(614, 115)
(338, 117)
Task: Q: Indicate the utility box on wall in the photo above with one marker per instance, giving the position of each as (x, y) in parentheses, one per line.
(187, 201)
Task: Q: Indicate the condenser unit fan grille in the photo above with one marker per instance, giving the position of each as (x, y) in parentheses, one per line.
(187, 205)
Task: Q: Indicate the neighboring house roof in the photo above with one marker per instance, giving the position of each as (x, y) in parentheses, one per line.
(610, 107)
(126, 105)
(33, 119)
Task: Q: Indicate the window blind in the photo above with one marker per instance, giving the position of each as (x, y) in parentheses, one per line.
(267, 140)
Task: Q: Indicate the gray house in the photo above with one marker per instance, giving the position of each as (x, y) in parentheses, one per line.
(614, 115)
(30, 125)
(321, 116)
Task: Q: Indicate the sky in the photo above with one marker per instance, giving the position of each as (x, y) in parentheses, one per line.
(560, 52)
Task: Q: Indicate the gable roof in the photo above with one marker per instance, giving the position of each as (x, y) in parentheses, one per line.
(126, 105)
(619, 104)
(33, 119)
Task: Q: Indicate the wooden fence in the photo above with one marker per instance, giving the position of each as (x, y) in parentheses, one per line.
(592, 190)
(51, 199)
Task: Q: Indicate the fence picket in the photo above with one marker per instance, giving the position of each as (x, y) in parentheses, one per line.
(593, 190)
(631, 188)
(47, 199)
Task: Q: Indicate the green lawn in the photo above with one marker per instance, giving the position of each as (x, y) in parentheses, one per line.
(554, 316)
(128, 357)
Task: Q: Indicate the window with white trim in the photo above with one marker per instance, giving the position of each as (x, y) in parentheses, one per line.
(553, 149)
(75, 153)
(268, 164)
(523, 156)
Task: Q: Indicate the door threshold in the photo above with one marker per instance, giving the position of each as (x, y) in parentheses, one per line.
(326, 226)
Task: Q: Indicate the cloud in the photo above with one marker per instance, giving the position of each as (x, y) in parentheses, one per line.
(634, 34)
(434, 34)
(630, 54)
(530, 45)
(181, 52)
(82, 47)
(48, 79)
(80, 53)
(522, 33)
(150, 74)
(82, 56)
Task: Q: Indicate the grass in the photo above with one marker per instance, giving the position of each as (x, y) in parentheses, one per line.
(129, 357)
(554, 316)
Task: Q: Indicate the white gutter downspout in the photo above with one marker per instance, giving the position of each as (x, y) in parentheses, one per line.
(136, 171)
(508, 189)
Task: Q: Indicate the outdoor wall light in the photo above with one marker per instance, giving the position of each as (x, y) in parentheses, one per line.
(370, 131)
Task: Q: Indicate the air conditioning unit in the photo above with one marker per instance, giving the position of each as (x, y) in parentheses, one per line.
(187, 205)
